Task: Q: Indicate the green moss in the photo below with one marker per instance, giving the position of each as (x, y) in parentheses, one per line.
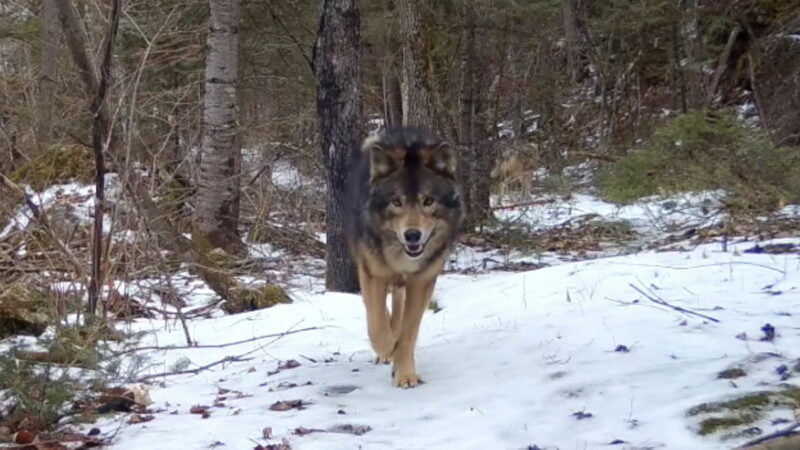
(58, 165)
(172, 198)
(731, 374)
(744, 410)
(244, 298)
(715, 424)
(22, 311)
(705, 150)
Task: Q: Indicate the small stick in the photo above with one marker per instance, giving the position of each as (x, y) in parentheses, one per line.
(227, 359)
(789, 431)
(519, 205)
(227, 344)
(660, 301)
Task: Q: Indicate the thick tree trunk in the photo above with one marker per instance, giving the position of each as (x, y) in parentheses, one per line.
(775, 77)
(569, 12)
(49, 39)
(217, 214)
(734, 49)
(337, 73)
(416, 93)
(474, 166)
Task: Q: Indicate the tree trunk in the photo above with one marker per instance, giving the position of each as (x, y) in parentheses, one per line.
(393, 99)
(217, 214)
(572, 38)
(49, 39)
(734, 49)
(337, 74)
(416, 93)
(474, 165)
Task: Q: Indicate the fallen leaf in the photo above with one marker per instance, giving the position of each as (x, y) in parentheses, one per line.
(580, 415)
(284, 365)
(347, 428)
(198, 409)
(137, 418)
(23, 437)
(731, 374)
(286, 405)
(769, 333)
(302, 431)
(266, 433)
(290, 364)
(283, 445)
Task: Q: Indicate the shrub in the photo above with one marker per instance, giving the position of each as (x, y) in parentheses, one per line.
(705, 150)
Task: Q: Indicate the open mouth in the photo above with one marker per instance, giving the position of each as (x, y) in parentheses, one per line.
(414, 250)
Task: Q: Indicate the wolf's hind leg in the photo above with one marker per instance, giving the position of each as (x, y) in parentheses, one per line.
(374, 290)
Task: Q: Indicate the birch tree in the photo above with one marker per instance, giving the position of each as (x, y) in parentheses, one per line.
(217, 214)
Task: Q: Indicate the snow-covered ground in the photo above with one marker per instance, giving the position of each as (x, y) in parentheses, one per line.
(570, 356)
(574, 355)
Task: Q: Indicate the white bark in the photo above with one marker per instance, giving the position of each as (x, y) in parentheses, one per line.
(217, 213)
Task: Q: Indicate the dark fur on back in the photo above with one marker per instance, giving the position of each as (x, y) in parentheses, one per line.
(368, 199)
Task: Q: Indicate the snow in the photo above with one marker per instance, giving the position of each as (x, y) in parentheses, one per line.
(649, 216)
(78, 197)
(572, 355)
(508, 360)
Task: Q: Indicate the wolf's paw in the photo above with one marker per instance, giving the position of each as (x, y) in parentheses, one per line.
(406, 380)
(384, 348)
(385, 359)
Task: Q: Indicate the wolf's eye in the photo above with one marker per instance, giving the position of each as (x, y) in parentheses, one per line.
(427, 201)
(397, 202)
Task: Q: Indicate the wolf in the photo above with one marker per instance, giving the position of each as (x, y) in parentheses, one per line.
(513, 169)
(403, 216)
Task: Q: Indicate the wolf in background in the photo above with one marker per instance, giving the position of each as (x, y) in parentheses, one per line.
(404, 211)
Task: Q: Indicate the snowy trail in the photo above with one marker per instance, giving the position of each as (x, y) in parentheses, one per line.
(511, 361)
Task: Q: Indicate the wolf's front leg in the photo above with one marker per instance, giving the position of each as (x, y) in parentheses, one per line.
(418, 294)
(374, 290)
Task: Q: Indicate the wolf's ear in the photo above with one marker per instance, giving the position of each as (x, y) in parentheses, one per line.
(440, 158)
(382, 160)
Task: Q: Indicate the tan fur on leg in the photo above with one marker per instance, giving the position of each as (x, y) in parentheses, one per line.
(398, 304)
(418, 294)
(374, 291)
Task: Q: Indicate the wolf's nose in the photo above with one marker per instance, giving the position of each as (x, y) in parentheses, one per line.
(412, 236)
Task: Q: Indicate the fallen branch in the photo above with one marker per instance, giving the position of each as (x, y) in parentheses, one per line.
(702, 266)
(227, 359)
(792, 443)
(520, 205)
(227, 344)
(653, 297)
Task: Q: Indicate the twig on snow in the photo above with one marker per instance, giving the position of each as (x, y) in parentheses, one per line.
(227, 359)
(520, 205)
(227, 344)
(788, 431)
(702, 266)
(653, 297)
